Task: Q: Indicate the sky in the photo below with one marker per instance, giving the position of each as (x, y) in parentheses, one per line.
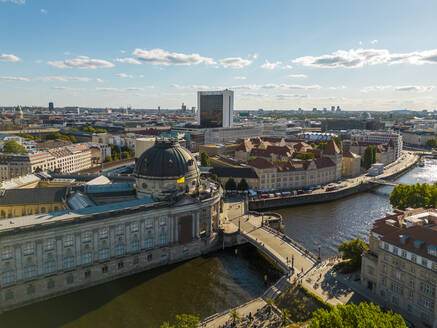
(278, 54)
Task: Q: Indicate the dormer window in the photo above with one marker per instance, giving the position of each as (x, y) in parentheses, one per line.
(432, 250)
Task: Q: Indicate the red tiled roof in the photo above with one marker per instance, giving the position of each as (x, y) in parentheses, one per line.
(260, 163)
(331, 148)
(323, 162)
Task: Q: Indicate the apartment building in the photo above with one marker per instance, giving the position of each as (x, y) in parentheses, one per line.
(379, 137)
(400, 267)
(67, 159)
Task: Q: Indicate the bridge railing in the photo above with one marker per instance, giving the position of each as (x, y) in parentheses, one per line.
(293, 242)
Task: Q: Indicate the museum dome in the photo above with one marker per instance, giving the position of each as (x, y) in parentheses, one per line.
(166, 158)
(166, 169)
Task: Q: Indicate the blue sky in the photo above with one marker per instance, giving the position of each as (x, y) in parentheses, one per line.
(372, 55)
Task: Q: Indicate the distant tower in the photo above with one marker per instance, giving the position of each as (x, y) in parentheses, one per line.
(338, 109)
(126, 110)
(159, 109)
(332, 108)
(183, 108)
(51, 106)
(193, 110)
(19, 113)
(78, 110)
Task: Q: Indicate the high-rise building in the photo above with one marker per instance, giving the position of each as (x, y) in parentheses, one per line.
(51, 106)
(183, 108)
(332, 108)
(215, 108)
(338, 109)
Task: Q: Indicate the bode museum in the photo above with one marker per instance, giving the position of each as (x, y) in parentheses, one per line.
(110, 231)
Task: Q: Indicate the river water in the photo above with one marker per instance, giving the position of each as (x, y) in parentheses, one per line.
(213, 283)
(327, 225)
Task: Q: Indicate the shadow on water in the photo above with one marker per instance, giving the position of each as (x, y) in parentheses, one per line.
(201, 286)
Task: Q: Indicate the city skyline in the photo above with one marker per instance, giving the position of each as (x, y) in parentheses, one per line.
(280, 55)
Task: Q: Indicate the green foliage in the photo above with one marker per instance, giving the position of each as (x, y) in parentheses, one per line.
(230, 184)
(59, 136)
(321, 145)
(313, 145)
(352, 251)
(204, 159)
(14, 147)
(251, 158)
(356, 316)
(305, 156)
(94, 130)
(183, 321)
(108, 158)
(235, 316)
(214, 177)
(243, 185)
(338, 142)
(28, 136)
(74, 129)
(415, 196)
(431, 143)
(369, 157)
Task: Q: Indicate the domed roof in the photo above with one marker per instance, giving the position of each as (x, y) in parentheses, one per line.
(166, 158)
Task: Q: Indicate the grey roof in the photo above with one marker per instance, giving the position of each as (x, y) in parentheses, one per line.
(235, 172)
(166, 158)
(33, 196)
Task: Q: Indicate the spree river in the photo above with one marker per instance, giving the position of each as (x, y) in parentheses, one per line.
(213, 283)
(327, 225)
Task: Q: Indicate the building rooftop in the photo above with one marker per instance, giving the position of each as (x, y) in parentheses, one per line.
(33, 196)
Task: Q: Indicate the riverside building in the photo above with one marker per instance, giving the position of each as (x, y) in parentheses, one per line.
(400, 268)
(110, 231)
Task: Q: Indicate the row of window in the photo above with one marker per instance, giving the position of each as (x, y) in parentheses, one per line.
(30, 270)
(68, 240)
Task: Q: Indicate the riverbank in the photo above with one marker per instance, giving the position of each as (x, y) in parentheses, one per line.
(352, 186)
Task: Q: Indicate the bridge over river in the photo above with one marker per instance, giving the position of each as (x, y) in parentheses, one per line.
(297, 263)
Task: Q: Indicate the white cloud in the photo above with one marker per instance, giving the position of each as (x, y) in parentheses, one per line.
(163, 57)
(235, 62)
(287, 67)
(99, 80)
(67, 53)
(254, 56)
(192, 87)
(14, 78)
(64, 78)
(141, 75)
(282, 86)
(360, 43)
(128, 61)
(405, 88)
(81, 62)
(124, 76)
(359, 57)
(18, 2)
(298, 76)
(269, 65)
(108, 89)
(9, 58)
(239, 77)
(374, 41)
(38, 61)
(373, 88)
(123, 51)
(44, 11)
(416, 88)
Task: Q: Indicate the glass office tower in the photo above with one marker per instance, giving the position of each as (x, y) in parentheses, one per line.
(215, 108)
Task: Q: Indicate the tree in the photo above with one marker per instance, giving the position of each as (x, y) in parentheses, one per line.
(285, 314)
(89, 129)
(351, 316)
(415, 196)
(305, 156)
(431, 143)
(321, 145)
(214, 177)
(183, 321)
(251, 158)
(230, 184)
(352, 251)
(108, 158)
(235, 316)
(243, 185)
(338, 142)
(369, 157)
(204, 159)
(14, 147)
